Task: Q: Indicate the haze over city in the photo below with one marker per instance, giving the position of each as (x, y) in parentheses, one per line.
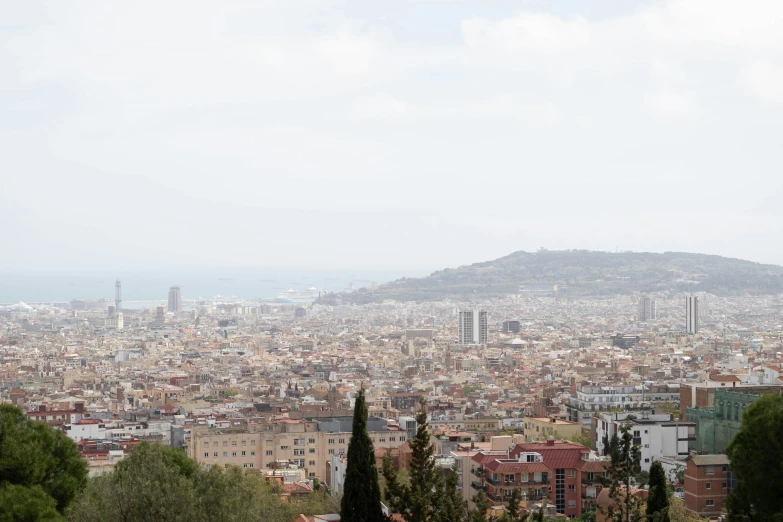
(391, 261)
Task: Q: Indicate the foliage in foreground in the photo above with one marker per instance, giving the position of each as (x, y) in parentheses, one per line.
(161, 483)
(756, 455)
(41, 469)
(361, 493)
(429, 496)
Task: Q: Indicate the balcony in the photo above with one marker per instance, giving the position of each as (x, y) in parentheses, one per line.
(493, 481)
(479, 472)
(478, 487)
(496, 498)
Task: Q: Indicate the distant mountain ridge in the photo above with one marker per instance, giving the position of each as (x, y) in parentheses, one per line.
(575, 273)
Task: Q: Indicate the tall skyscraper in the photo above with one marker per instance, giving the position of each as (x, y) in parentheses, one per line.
(648, 310)
(691, 314)
(473, 327)
(118, 296)
(175, 300)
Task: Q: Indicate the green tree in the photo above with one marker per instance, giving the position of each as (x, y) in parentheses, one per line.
(480, 507)
(588, 516)
(361, 494)
(512, 509)
(32, 454)
(452, 507)
(27, 504)
(428, 497)
(658, 499)
(624, 465)
(153, 483)
(756, 454)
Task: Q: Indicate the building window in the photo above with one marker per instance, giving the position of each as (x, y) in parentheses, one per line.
(311, 441)
(312, 463)
(225, 443)
(647, 460)
(206, 455)
(725, 469)
(392, 439)
(724, 485)
(253, 453)
(244, 453)
(312, 450)
(225, 454)
(215, 454)
(233, 453)
(571, 473)
(331, 452)
(233, 443)
(710, 470)
(402, 439)
(253, 442)
(571, 504)
(244, 443)
(708, 486)
(206, 444)
(341, 441)
(710, 502)
(284, 447)
(331, 441)
(571, 488)
(268, 453)
(214, 444)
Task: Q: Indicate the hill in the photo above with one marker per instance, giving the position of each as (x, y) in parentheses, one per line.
(575, 273)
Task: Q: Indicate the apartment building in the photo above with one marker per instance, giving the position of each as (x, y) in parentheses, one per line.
(708, 482)
(309, 445)
(540, 428)
(567, 474)
(656, 434)
(591, 399)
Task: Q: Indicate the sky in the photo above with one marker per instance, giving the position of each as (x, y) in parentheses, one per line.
(405, 135)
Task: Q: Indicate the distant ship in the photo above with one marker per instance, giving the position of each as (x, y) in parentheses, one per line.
(295, 295)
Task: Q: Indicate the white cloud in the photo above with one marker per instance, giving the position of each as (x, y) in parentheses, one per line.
(765, 80)
(380, 106)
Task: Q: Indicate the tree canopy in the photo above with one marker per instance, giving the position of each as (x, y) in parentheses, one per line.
(38, 465)
(756, 455)
(161, 483)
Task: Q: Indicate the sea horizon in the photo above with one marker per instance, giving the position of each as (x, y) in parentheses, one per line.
(146, 286)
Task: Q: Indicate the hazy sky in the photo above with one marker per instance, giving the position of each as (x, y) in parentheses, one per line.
(378, 134)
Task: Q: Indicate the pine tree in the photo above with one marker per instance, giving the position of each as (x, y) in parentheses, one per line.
(361, 494)
(424, 475)
(624, 465)
(658, 500)
(429, 497)
(481, 506)
(512, 509)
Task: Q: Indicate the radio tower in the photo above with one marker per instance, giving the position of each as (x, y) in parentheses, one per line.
(118, 296)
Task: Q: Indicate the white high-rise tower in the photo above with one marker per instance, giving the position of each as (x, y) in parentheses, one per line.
(691, 315)
(473, 327)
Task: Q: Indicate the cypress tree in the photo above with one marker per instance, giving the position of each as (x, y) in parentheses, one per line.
(361, 494)
(658, 500)
(424, 475)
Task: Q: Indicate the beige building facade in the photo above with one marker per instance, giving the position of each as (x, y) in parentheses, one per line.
(288, 442)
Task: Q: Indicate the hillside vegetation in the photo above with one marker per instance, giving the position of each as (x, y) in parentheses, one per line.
(584, 273)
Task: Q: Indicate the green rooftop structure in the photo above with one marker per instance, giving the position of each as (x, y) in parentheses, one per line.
(717, 425)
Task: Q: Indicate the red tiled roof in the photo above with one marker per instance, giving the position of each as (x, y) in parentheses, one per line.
(556, 456)
(498, 466)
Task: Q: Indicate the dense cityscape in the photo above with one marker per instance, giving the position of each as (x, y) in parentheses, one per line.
(519, 390)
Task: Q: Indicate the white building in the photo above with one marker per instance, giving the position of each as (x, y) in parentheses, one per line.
(691, 315)
(86, 429)
(337, 470)
(656, 434)
(591, 399)
(473, 327)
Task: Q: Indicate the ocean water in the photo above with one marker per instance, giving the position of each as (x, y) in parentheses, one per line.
(47, 287)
